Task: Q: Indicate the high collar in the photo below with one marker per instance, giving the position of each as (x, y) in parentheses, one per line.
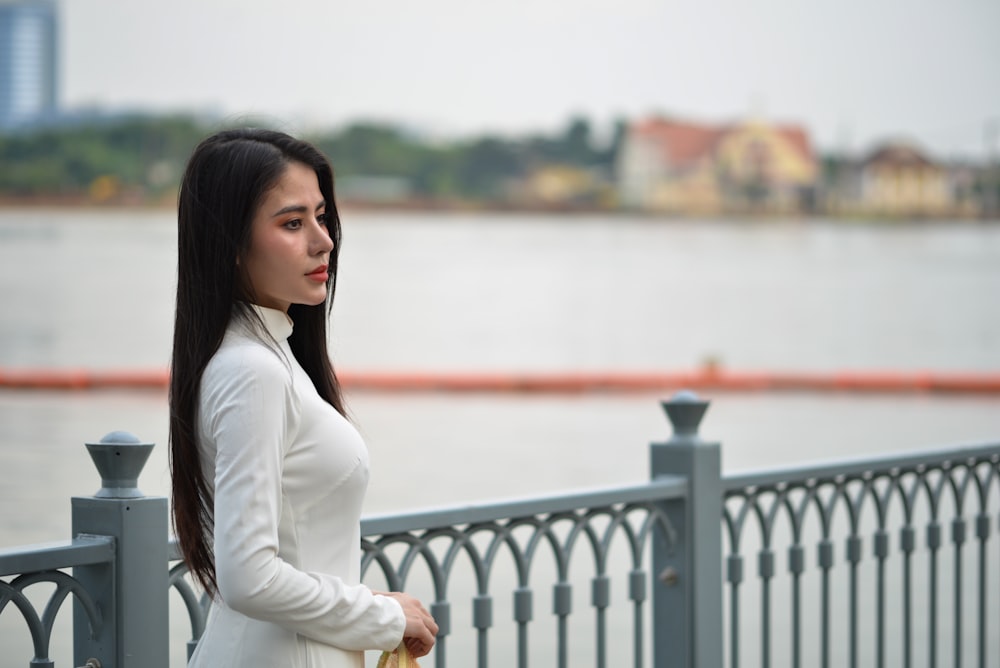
(277, 323)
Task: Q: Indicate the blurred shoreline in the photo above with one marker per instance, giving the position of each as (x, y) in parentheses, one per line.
(419, 205)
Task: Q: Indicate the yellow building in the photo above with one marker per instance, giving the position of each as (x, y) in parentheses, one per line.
(683, 167)
(558, 186)
(898, 179)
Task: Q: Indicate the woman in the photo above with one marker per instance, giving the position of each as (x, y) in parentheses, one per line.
(268, 475)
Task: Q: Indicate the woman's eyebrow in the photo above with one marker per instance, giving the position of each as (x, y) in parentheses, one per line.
(296, 208)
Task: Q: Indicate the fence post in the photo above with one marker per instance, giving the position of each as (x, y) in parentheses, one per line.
(687, 590)
(131, 592)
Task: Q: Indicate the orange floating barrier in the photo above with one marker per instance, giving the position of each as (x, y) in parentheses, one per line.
(80, 379)
(709, 378)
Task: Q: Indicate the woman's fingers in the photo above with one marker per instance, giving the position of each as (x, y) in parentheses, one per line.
(421, 629)
(416, 647)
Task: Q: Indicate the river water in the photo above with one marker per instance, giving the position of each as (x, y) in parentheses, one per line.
(492, 292)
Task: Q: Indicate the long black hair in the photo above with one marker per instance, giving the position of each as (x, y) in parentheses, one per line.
(226, 179)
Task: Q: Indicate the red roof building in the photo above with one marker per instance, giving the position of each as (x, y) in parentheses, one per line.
(687, 167)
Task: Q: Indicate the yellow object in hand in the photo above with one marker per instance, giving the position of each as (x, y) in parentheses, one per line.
(398, 658)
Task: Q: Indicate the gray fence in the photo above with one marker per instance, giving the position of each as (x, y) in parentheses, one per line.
(663, 583)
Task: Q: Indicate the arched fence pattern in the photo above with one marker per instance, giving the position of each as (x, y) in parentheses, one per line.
(559, 529)
(40, 627)
(41, 565)
(446, 541)
(938, 497)
(687, 593)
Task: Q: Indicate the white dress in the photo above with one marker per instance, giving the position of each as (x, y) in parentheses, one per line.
(289, 474)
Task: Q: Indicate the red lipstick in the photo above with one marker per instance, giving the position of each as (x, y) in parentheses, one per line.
(319, 274)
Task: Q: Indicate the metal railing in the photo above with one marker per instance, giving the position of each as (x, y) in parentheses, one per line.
(907, 493)
(661, 589)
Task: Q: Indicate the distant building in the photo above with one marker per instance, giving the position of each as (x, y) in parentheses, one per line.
(902, 179)
(898, 179)
(560, 186)
(28, 61)
(680, 166)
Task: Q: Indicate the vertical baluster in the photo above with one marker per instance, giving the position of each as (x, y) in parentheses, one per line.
(765, 569)
(601, 599)
(982, 533)
(637, 593)
(853, 554)
(958, 540)
(796, 564)
(907, 543)
(441, 611)
(825, 564)
(734, 575)
(881, 551)
(522, 615)
(562, 605)
(933, 543)
(482, 619)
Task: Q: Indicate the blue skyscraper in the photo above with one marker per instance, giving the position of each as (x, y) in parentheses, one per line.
(27, 61)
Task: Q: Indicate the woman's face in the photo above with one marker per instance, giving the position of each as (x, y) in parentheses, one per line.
(287, 262)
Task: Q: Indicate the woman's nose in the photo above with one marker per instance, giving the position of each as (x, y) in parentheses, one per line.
(322, 243)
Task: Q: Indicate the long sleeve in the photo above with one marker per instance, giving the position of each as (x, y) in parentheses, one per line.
(251, 416)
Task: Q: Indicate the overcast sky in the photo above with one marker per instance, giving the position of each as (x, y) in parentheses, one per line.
(851, 71)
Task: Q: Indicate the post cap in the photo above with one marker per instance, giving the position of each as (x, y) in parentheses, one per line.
(119, 458)
(685, 410)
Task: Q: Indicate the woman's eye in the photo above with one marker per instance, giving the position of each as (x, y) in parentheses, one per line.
(293, 224)
(321, 217)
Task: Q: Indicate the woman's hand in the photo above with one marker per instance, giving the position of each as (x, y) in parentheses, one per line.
(421, 629)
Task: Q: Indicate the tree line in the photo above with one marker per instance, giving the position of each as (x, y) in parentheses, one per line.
(141, 157)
